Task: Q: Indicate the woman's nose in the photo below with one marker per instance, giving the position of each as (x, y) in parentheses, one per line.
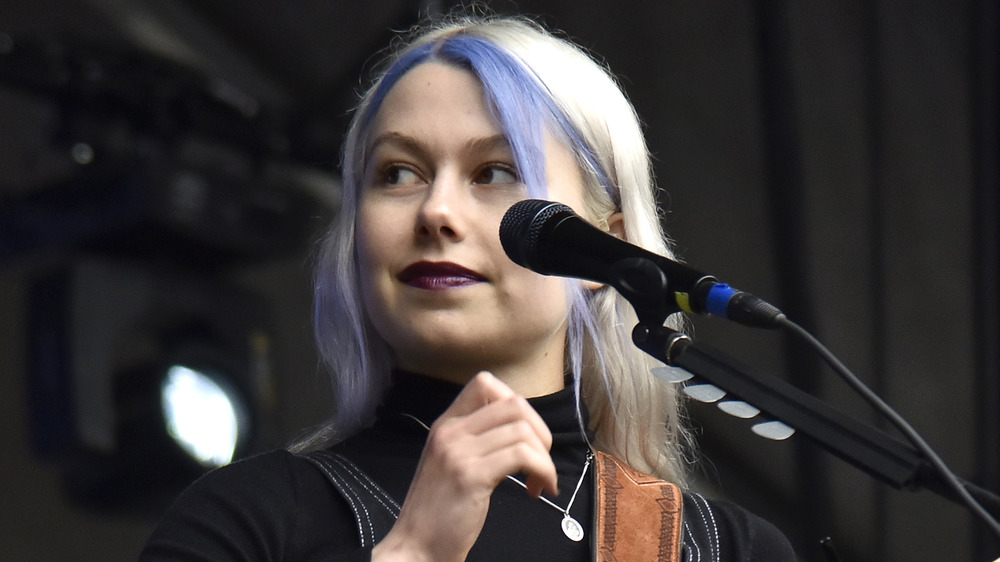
(442, 210)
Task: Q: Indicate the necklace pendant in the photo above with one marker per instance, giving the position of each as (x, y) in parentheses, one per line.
(572, 529)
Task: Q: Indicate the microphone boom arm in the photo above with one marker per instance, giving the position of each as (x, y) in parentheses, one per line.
(893, 462)
(866, 448)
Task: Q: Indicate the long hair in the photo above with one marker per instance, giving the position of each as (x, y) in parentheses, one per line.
(534, 83)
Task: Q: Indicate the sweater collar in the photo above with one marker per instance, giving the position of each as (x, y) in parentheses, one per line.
(426, 398)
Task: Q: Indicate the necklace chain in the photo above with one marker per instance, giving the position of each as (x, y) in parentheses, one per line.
(569, 506)
(570, 526)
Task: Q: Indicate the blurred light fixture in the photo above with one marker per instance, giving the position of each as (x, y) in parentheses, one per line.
(143, 377)
(146, 366)
(204, 417)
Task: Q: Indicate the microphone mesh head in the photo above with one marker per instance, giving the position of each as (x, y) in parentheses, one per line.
(522, 227)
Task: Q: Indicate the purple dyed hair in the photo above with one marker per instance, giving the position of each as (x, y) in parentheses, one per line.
(518, 100)
(567, 94)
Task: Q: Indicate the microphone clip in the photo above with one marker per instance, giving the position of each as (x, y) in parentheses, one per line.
(644, 285)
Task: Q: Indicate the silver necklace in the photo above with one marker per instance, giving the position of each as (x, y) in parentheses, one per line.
(570, 526)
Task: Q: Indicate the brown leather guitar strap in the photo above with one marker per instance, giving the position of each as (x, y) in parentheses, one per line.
(639, 516)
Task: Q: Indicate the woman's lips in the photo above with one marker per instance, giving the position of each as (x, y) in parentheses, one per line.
(438, 275)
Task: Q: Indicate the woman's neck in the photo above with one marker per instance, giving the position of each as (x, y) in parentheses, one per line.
(539, 378)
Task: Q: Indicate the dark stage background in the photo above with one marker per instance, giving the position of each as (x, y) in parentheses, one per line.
(836, 158)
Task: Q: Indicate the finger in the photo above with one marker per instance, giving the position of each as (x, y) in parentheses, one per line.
(537, 482)
(510, 433)
(510, 410)
(489, 429)
(537, 467)
(483, 389)
(474, 466)
(519, 447)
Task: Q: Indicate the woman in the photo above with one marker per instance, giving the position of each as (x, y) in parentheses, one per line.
(472, 393)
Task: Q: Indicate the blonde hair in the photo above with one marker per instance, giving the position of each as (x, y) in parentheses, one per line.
(634, 415)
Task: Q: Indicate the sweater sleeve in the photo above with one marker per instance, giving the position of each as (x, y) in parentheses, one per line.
(271, 507)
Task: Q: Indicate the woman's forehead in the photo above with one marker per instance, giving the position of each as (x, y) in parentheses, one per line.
(433, 96)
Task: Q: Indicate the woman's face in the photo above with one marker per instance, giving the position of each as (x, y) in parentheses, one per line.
(435, 280)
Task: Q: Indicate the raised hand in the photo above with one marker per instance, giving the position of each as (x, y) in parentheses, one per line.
(487, 433)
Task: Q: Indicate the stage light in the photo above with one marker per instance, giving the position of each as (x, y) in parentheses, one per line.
(168, 185)
(145, 377)
(201, 415)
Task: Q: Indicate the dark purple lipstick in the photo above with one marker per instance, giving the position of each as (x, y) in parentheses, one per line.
(438, 276)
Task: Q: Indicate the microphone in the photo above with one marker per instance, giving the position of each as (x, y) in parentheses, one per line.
(549, 238)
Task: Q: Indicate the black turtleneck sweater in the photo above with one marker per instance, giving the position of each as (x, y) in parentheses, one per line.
(278, 506)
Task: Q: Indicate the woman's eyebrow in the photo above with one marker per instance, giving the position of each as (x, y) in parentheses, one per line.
(492, 142)
(498, 140)
(414, 145)
(394, 138)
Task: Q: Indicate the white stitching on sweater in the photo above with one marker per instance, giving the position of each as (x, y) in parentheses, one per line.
(703, 507)
(691, 544)
(348, 492)
(367, 483)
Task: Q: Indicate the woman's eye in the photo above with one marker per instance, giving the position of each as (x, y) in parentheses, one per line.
(399, 175)
(496, 174)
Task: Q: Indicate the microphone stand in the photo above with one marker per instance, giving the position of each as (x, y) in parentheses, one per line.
(887, 459)
(881, 456)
